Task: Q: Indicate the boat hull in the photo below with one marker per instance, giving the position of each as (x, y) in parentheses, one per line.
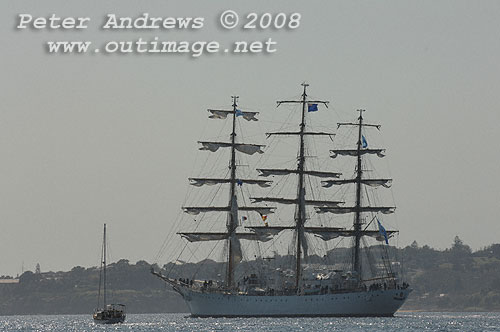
(110, 320)
(362, 304)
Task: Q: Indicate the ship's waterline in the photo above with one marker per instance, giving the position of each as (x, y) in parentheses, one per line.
(371, 303)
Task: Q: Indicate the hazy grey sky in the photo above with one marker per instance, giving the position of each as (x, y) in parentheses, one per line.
(87, 139)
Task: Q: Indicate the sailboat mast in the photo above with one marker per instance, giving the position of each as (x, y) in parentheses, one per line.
(231, 220)
(301, 211)
(104, 264)
(357, 218)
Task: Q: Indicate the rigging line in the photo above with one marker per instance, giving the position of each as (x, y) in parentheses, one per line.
(100, 275)
(166, 242)
(370, 258)
(205, 260)
(273, 242)
(177, 259)
(197, 154)
(386, 260)
(165, 246)
(273, 146)
(193, 254)
(109, 256)
(206, 159)
(373, 218)
(213, 224)
(186, 244)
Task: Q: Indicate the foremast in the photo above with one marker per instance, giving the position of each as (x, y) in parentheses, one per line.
(231, 236)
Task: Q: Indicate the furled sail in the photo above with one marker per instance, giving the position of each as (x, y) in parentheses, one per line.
(310, 133)
(358, 124)
(294, 201)
(222, 114)
(276, 171)
(370, 182)
(351, 209)
(198, 182)
(194, 210)
(261, 210)
(354, 153)
(236, 249)
(196, 237)
(326, 234)
(201, 236)
(245, 148)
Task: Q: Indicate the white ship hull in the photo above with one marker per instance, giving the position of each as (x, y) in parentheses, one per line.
(371, 303)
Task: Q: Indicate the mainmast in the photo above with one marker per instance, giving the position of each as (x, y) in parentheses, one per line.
(300, 200)
(300, 216)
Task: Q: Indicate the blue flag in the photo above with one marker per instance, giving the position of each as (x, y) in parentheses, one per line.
(312, 107)
(239, 112)
(364, 143)
(382, 231)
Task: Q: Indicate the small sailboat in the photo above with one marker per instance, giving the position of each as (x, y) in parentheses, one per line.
(108, 313)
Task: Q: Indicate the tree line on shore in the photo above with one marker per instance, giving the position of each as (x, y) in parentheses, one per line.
(454, 279)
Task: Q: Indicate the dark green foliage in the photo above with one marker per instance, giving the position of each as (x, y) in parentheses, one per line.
(454, 279)
(75, 292)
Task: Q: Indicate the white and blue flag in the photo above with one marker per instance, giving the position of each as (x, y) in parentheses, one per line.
(364, 143)
(382, 231)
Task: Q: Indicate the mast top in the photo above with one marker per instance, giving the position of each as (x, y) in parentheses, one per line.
(235, 99)
(305, 85)
(303, 100)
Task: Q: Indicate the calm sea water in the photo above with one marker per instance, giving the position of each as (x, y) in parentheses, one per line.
(466, 322)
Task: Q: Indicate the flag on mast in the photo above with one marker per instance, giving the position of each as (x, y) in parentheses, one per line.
(382, 231)
(312, 107)
(364, 143)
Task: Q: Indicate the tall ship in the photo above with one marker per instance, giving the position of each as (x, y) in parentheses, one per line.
(335, 257)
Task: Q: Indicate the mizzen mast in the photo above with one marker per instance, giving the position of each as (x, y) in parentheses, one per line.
(361, 149)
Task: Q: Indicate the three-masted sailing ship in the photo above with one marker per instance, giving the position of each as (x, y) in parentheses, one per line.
(299, 289)
(107, 313)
